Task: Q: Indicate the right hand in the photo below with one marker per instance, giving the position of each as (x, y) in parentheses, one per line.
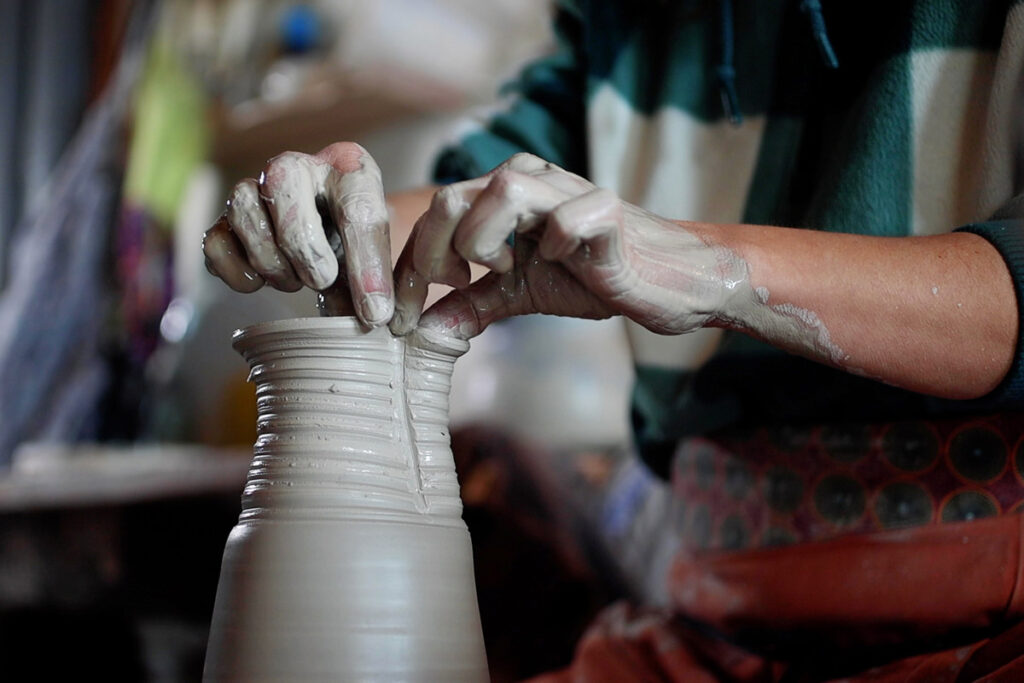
(274, 231)
(578, 251)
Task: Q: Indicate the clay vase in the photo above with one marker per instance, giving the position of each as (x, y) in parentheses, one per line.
(350, 560)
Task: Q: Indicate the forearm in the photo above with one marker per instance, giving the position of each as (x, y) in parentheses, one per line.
(936, 315)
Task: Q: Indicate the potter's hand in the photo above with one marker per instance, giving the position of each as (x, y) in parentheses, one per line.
(319, 221)
(579, 251)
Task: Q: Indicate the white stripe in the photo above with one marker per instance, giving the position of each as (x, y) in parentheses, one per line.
(672, 163)
(1004, 126)
(679, 167)
(950, 96)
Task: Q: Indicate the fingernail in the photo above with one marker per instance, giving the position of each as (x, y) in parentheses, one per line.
(463, 329)
(402, 322)
(322, 274)
(376, 309)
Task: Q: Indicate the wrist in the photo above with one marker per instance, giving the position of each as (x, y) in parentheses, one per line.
(732, 295)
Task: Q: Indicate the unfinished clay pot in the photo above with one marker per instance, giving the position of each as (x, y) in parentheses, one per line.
(350, 560)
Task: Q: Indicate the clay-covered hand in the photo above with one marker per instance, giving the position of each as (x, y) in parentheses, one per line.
(579, 251)
(316, 220)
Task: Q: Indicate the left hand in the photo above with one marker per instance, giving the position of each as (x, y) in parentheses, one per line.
(579, 251)
(273, 231)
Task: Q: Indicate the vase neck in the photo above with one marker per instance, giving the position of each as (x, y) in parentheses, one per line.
(351, 422)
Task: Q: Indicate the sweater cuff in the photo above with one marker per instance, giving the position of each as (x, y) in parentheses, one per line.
(1007, 236)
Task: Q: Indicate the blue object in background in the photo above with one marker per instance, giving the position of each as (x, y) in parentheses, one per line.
(301, 29)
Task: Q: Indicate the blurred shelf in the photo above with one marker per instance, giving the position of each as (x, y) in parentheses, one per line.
(56, 476)
(331, 106)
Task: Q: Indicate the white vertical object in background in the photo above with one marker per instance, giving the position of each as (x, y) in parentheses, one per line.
(467, 46)
(560, 382)
(201, 203)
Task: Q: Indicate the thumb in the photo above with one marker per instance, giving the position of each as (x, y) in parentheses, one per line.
(465, 313)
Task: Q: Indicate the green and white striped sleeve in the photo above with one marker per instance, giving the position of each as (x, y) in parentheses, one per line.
(546, 116)
(1007, 236)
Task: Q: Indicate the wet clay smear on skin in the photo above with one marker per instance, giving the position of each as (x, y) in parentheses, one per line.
(786, 325)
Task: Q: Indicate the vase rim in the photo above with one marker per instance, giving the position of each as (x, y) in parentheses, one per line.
(342, 325)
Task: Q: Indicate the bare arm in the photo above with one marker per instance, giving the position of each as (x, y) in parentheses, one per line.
(936, 315)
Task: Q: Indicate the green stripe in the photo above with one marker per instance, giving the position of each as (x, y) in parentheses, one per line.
(547, 118)
(666, 54)
(866, 184)
(773, 171)
(959, 24)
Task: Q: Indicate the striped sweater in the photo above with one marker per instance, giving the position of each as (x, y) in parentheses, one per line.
(729, 112)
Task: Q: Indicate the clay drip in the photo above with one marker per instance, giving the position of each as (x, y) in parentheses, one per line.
(350, 560)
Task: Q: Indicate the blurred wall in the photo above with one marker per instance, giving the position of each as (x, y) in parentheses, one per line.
(45, 58)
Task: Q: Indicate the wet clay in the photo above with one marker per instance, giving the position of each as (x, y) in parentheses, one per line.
(786, 325)
(350, 560)
(355, 250)
(669, 277)
(316, 220)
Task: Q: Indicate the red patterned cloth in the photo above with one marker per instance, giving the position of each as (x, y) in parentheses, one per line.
(831, 610)
(853, 552)
(777, 487)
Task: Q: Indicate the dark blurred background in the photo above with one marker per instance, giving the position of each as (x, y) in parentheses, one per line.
(126, 418)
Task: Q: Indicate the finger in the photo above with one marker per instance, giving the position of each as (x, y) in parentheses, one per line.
(524, 162)
(511, 202)
(530, 164)
(583, 219)
(410, 292)
(356, 203)
(433, 256)
(343, 156)
(289, 187)
(249, 221)
(468, 312)
(225, 258)
(465, 313)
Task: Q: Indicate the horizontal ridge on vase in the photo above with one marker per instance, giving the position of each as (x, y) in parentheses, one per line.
(350, 559)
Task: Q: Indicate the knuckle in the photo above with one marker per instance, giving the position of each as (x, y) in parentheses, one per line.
(341, 149)
(447, 202)
(523, 160)
(505, 185)
(244, 197)
(245, 190)
(363, 207)
(344, 156)
(285, 168)
(560, 222)
(606, 198)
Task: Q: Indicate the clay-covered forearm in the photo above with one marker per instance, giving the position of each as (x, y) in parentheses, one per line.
(933, 314)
